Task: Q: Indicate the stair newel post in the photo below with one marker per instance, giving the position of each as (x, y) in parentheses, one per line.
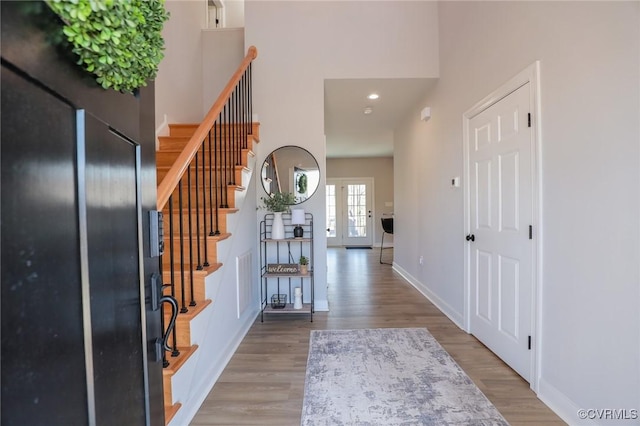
(190, 223)
(198, 249)
(205, 234)
(183, 304)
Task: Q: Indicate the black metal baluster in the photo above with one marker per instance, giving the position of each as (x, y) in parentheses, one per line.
(229, 152)
(251, 98)
(223, 153)
(211, 169)
(197, 210)
(172, 284)
(236, 130)
(205, 234)
(214, 185)
(192, 302)
(183, 303)
(239, 127)
(234, 161)
(245, 122)
(165, 362)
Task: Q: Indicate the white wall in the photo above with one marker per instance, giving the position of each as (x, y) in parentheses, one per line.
(302, 43)
(179, 80)
(233, 13)
(222, 52)
(590, 67)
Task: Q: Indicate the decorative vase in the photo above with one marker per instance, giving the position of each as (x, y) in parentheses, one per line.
(277, 228)
(304, 269)
(297, 296)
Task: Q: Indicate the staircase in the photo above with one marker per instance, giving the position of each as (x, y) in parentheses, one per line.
(203, 171)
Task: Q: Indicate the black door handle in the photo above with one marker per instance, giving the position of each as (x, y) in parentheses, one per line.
(471, 237)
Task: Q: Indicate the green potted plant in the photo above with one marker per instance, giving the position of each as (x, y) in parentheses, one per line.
(120, 42)
(277, 203)
(304, 264)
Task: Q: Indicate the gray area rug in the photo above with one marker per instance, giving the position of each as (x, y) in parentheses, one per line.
(389, 376)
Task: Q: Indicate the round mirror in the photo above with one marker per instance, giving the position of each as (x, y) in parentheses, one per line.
(291, 169)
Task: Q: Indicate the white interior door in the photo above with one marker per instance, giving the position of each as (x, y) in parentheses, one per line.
(350, 212)
(501, 211)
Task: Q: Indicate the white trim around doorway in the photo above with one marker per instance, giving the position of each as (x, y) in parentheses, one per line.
(529, 75)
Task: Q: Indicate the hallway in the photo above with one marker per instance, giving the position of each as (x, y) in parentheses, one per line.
(264, 381)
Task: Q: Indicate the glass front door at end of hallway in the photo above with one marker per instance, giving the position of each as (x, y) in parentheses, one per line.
(349, 212)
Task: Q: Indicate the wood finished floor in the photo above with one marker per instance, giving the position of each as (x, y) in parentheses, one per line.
(263, 384)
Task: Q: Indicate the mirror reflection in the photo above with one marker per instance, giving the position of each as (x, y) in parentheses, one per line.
(291, 169)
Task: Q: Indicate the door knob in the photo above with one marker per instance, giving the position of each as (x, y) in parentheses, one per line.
(471, 237)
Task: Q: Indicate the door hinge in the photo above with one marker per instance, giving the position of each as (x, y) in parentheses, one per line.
(528, 119)
(529, 342)
(531, 232)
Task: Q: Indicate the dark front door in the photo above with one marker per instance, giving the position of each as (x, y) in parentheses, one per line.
(77, 182)
(110, 169)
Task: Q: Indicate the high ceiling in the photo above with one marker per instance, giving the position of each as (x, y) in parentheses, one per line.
(352, 133)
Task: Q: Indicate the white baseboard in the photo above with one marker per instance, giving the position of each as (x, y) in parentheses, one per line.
(186, 413)
(321, 305)
(561, 404)
(386, 245)
(444, 307)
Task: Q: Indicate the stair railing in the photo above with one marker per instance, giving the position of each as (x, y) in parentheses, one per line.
(197, 186)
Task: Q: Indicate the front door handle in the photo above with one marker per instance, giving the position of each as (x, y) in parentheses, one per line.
(470, 237)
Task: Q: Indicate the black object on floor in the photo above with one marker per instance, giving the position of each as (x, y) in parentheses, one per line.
(387, 228)
(358, 247)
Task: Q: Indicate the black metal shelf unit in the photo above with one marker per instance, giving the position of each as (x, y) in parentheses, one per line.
(278, 258)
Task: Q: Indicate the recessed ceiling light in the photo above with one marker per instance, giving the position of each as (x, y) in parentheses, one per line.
(368, 110)
(373, 96)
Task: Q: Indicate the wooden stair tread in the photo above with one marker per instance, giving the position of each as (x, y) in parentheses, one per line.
(205, 271)
(193, 311)
(170, 412)
(194, 210)
(237, 166)
(176, 362)
(219, 237)
(176, 144)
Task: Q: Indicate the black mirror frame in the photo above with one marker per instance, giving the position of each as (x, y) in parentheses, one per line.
(300, 175)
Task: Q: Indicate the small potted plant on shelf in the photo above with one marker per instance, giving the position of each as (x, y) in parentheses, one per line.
(304, 265)
(277, 203)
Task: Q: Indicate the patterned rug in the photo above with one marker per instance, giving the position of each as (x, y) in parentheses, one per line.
(389, 376)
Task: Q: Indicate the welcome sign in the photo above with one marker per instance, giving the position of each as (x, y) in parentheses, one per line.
(283, 268)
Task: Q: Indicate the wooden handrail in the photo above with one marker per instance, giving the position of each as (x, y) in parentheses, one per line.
(171, 180)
